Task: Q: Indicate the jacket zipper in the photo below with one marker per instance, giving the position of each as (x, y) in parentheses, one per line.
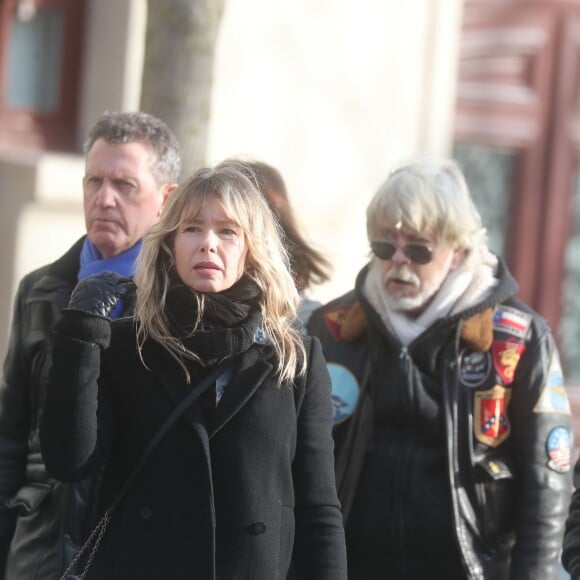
(405, 358)
(405, 363)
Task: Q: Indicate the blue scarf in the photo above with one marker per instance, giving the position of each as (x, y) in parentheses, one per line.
(123, 264)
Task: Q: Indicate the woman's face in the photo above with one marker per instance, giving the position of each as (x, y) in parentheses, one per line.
(210, 250)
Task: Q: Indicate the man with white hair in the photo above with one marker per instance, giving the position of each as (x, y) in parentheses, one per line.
(452, 424)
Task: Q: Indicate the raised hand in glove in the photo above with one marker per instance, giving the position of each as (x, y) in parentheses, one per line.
(98, 295)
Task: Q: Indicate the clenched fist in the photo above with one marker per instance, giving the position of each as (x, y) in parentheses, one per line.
(99, 294)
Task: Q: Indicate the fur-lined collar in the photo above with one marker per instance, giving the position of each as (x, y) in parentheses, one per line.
(476, 331)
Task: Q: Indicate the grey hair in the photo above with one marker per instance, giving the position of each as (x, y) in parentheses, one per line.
(119, 128)
(267, 264)
(429, 197)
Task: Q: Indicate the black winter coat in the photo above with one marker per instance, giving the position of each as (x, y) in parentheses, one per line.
(41, 520)
(248, 496)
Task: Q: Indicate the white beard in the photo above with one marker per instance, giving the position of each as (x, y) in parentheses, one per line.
(400, 303)
(460, 289)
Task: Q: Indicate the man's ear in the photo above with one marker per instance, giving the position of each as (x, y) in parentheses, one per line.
(458, 257)
(166, 190)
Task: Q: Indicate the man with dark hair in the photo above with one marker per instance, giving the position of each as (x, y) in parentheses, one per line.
(452, 424)
(131, 167)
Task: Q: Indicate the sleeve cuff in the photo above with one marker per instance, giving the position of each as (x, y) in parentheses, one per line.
(85, 327)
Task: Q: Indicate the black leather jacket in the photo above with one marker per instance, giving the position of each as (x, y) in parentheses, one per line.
(504, 420)
(41, 520)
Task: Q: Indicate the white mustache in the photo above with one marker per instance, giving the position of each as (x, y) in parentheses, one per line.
(401, 273)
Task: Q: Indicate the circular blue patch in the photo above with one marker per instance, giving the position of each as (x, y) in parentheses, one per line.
(474, 367)
(345, 391)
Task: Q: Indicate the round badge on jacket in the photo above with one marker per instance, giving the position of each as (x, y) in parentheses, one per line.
(558, 447)
(474, 367)
(345, 391)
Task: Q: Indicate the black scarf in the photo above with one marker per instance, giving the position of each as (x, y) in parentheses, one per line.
(228, 324)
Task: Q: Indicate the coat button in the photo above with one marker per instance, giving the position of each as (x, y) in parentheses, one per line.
(258, 528)
(145, 512)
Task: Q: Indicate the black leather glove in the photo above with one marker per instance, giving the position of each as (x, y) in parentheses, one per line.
(98, 295)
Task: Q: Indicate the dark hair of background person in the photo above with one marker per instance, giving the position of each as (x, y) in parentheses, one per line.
(119, 128)
(308, 265)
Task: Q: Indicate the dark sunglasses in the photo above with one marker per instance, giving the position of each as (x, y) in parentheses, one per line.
(417, 253)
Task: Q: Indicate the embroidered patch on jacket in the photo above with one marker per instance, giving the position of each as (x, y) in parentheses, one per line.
(474, 367)
(506, 356)
(512, 321)
(345, 391)
(335, 319)
(558, 447)
(491, 425)
(553, 398)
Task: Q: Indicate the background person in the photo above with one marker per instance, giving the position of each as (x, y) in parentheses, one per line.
(132, 163)
(309, 266)
(453, 427)
(243, 486)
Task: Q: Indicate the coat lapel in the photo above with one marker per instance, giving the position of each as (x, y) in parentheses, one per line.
(246, 379)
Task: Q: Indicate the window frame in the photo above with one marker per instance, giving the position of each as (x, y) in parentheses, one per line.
(31, 129)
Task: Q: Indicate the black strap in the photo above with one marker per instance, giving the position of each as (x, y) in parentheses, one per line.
(94, 540)
(185, 403)
(349, 462)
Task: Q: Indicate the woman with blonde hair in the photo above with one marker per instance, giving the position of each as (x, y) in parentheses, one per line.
(241, 486)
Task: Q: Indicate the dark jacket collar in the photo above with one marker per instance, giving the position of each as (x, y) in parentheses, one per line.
(59, 277)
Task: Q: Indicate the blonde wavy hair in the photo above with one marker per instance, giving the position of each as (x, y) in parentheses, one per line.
(267, 264)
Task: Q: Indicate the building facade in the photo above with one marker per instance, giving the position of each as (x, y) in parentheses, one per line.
(331, 94)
